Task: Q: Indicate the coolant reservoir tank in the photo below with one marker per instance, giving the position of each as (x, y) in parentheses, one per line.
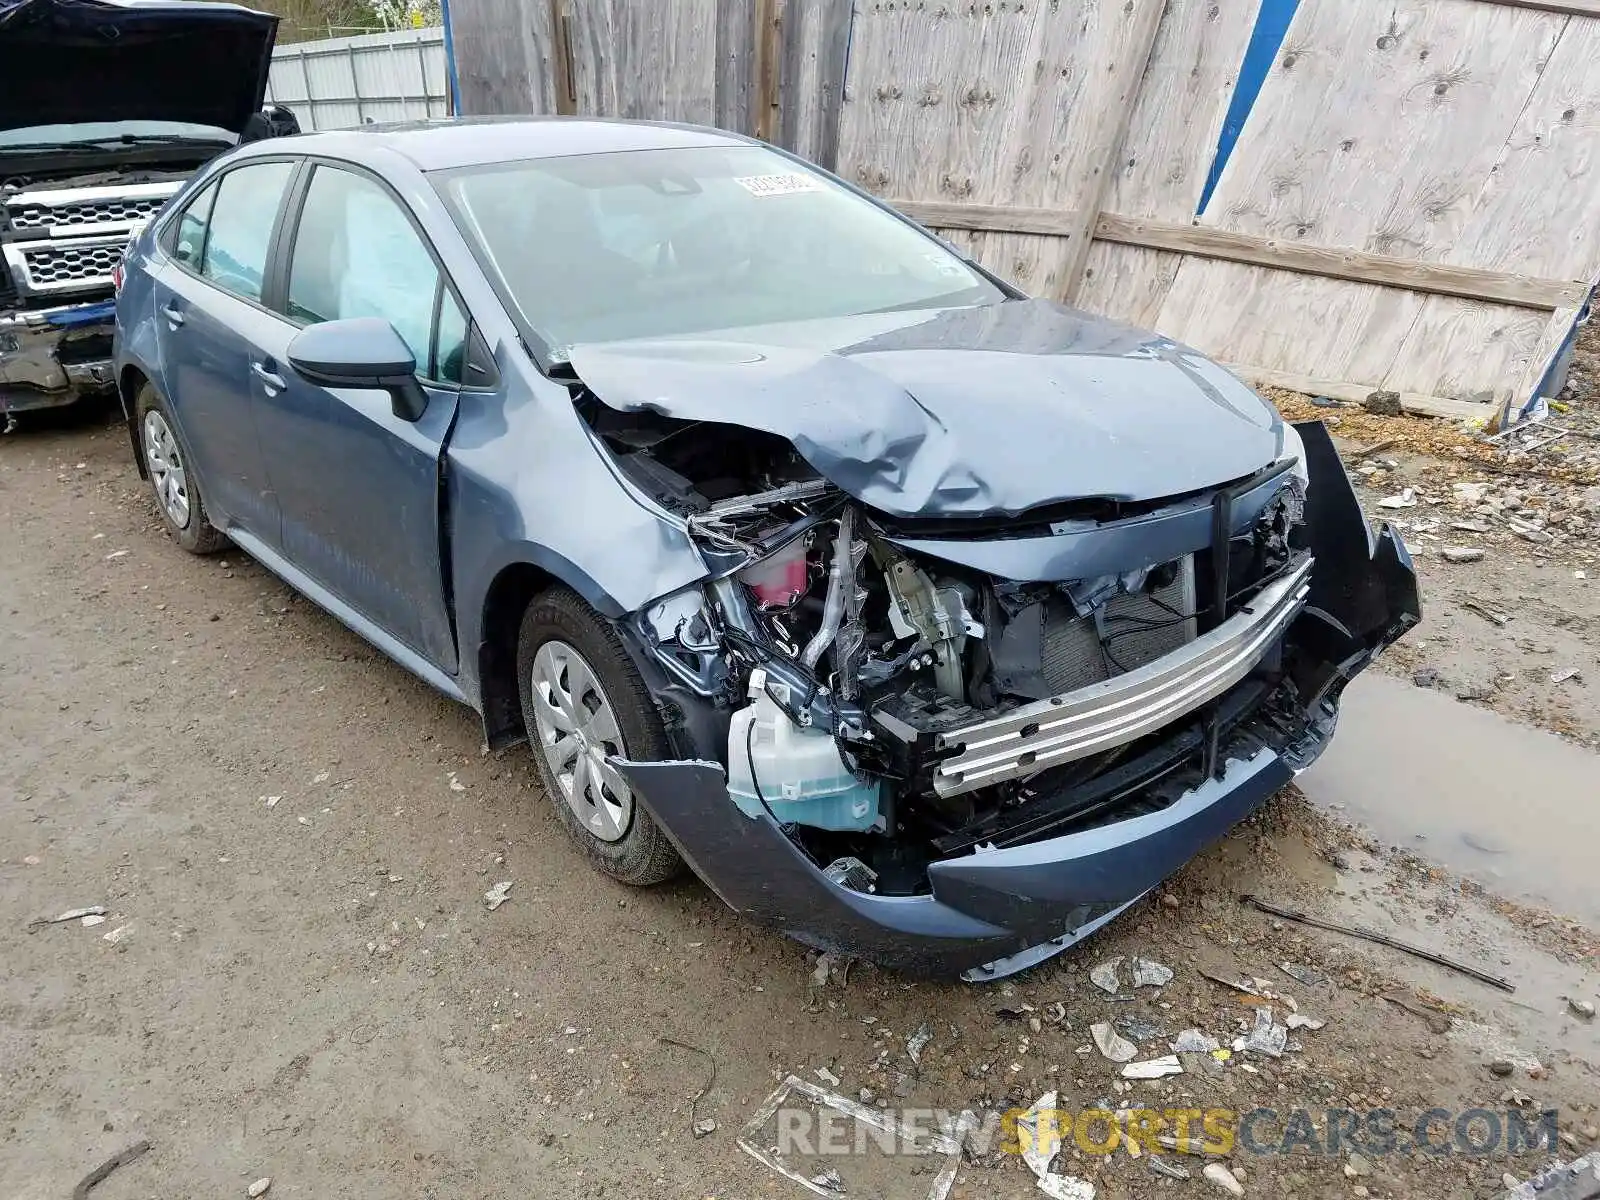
(798, 770)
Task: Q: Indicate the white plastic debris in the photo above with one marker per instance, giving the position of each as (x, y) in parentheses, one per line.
(73, 914)
(498, 894)
(828, 1181)
(1039, 1150)
(1104, 976)
(1149, 973)
(1223, 1178)
(258, 1188)
(1268, 1037)
(1301, 1021)
(118, 935)
(455, 784)
(1153, 1068)
(1111, 1044)
(827, 1076)
(90, 920)
(1192, 1041)
(1406, 499)
(1564, 674)
(918, 1042)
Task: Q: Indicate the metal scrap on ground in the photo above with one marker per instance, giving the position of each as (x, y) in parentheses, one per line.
(1382, 939)
(98, 1175)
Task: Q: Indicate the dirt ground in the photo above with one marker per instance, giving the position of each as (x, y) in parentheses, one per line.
(299, 979)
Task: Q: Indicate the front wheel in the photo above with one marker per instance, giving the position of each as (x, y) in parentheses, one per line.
(177, 495)
(583, 702)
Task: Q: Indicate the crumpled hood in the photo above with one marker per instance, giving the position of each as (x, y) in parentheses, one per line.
(68, 61)
(968, 412)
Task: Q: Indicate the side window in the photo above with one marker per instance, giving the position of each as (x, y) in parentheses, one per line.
(189, 231)
(356, 254)
(241, 227)
(450, 342)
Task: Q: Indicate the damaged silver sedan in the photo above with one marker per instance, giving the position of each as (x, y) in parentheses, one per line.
(925, 622)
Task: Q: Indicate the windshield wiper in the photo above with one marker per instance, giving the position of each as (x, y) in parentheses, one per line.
(101, 145)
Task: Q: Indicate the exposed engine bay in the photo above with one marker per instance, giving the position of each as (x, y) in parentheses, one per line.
(888, 707)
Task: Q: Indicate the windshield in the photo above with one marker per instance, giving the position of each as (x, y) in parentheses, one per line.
(90, 132)
(650, 243)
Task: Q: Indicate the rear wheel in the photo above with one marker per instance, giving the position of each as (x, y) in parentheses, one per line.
(583, 702)
(183, 511)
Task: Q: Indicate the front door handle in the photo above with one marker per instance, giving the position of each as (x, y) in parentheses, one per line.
(173, 316)
(273, 381)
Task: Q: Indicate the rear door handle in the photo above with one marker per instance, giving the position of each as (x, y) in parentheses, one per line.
(173, 316)
(273, 381)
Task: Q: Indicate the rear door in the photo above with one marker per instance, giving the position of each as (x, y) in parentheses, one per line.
(358, 487)
(208, 295)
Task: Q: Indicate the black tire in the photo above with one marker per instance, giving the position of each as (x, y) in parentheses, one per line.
(196, 534)
(643, 855)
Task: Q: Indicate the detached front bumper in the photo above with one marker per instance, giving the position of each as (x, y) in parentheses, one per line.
(55, 356)
(989, 911)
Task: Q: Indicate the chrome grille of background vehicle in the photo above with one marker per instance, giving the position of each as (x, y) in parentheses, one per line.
(1140, 628)
(84, 213)
(65, 242)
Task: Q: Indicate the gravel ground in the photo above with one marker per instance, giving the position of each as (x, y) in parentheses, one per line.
(299, 979)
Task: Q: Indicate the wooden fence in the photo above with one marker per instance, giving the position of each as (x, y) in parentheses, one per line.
(1412, 203)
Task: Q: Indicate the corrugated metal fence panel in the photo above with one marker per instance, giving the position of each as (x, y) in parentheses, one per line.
(378, 77)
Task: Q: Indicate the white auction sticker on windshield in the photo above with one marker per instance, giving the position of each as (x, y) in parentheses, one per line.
(778, 185)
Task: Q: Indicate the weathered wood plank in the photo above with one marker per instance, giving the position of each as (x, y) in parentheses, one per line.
(654, 62)
(1116, 116)
(1334, 389)
(1570, 8)
(1356, 266)
(1376, 130)
(815, 44)
(1167, 154)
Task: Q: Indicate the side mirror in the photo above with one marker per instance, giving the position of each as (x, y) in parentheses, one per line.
(362, 352)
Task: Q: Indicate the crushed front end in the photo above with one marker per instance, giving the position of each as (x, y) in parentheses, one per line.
(960, 746)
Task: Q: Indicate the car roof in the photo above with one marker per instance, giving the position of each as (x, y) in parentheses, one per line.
(470, 141)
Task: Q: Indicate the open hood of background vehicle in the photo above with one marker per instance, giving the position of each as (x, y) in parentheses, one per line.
(67, 61)
(985, 411)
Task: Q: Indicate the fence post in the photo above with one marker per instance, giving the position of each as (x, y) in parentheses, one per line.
(768, 47)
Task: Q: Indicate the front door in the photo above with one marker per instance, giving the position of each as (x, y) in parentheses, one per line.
(358, 488)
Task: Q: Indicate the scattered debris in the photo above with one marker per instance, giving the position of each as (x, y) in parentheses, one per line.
(1267, 1037)
(1166, 1169)
(1367, 451)
(455, 784)
(1382, 404)
(947, 1142)
(1145, 972)
(1462, 554)
(498, 894)
(1582, 1008)
(90, 920)
(1256, 991)
(1425, 677)
(1483, 610)
(1184, 1145)
(918, 1042)
(1493, 1044)
(258, 1188)
(1438, 1022)
(118, 935)
(827, 1076)
(1502, 1067)
(1109, 1043)
(1406, 499)
(99, 1174)
(828, 1180)
(1516, 1097)
(1192, 1041)
(1223, 1178)
(72, 914)
(1306, 976)
(1149, 973)
(1153, 1068)
(1382, 939)
(1564, 674)
(1104, 976)
(1139, 1029)
(1039, 1149)
(698, 1127)
(1357, 1165)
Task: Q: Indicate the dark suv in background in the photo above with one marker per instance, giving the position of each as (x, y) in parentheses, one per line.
(105, 110)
